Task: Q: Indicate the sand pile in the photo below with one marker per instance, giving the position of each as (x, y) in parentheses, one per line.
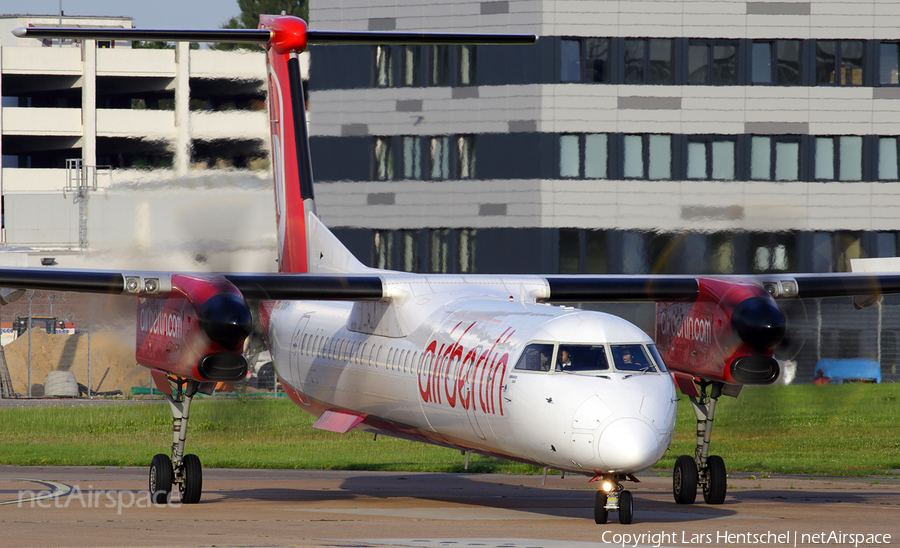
(110, 355)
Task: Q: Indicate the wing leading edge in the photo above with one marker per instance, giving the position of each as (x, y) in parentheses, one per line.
(369, 287)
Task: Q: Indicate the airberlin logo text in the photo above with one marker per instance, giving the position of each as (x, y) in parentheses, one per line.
(166, 323)
(692, 328)
(458, 378)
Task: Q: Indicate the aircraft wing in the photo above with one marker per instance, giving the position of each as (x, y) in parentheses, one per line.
(591, 288)
(370, 287)
(252, 286)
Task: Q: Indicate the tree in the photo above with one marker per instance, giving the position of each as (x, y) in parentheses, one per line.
(252, 9)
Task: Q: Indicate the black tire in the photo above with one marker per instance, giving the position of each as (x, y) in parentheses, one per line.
(626, 507)
(684, 480)
(160, 479)
(717, 484)
(192, 486)
(601, 515)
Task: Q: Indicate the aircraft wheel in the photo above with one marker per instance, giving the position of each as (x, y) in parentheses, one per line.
(684, 480)
(193, 480)
(600, 512)
(160, 479)
(717, 482)
(626, 507)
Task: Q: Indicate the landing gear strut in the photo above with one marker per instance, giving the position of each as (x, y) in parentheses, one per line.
(183, 470)
(612, 497)
(705, 470)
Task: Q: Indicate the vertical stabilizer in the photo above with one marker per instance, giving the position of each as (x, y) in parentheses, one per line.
(291, 164)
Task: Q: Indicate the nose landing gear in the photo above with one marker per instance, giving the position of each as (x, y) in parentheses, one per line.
(612, 497)
(182, 470)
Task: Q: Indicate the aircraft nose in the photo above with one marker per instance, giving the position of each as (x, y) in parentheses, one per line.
(629, 444)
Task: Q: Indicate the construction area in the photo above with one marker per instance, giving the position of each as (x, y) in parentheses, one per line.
(95, 342)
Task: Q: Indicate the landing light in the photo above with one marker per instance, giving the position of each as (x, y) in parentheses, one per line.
(132, 284)
(607, 486)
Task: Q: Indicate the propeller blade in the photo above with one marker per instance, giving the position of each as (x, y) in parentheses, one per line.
(797, 323)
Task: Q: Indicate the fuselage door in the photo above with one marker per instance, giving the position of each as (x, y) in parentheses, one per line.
(297, 371)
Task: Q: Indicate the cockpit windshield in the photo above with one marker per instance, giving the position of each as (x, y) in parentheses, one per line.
(631, 357)
(578, 358)
(581, 357)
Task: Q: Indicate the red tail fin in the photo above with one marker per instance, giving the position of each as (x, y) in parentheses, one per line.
(290, 144)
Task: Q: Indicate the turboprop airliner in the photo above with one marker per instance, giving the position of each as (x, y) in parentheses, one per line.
(477, 363)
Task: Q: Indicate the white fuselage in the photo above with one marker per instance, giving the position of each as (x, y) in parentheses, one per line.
(438, 364)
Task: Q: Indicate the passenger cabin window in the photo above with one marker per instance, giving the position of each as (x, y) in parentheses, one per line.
(632, 357)
(581, 357)
(535, 357)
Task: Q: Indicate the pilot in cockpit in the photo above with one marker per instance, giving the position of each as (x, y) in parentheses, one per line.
(563, 361)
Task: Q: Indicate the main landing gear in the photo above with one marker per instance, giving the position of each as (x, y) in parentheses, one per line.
(183, 470)
(703, 469)
(612, 497)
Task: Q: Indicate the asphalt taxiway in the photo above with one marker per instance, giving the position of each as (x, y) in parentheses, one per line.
(90, 506)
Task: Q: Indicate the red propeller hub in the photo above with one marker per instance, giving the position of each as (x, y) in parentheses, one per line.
(288, 32)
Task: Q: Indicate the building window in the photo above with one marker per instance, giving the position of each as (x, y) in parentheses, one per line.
(569, 156)
(711, 158)
(713, 62)
(384, 159)
(772, 252)
(439, 156)
(570, 60)
(465, 145)
(410, 65)
(839, 62)
(889, 63)
(647, 156)
(775, 62)
(438, 249)
(384, 74)
(409, 257)
(412, 157)
(585, 60)
(839, 158)
(649, 61)
(887, 158)
(467, 250)
(596, 60)
(383, 249)
(584, 156)
(440, 66)
(467, 65)
(775, 158)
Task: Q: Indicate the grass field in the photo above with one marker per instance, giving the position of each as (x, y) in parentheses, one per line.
(836, 430)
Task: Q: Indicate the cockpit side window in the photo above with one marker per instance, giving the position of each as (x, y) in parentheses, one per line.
(581, 357)
(657, 358)
(535, 357)
(631, 357)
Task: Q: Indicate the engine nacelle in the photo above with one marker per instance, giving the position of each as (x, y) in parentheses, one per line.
(197, 332)
(728, 334)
